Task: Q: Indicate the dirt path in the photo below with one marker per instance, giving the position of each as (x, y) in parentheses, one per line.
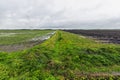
(99, 74)
(25, 45)
(115, 74)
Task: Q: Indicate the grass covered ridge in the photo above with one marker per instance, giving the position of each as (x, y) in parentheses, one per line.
(63, 56)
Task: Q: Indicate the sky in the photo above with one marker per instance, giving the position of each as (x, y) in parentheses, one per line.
(59, 14)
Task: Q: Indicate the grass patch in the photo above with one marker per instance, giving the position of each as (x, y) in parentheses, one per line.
(63, 56)
(20, 36)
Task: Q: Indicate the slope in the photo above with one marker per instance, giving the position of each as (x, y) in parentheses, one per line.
(63, 56)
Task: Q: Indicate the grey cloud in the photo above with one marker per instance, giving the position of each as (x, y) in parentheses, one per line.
(59, 14)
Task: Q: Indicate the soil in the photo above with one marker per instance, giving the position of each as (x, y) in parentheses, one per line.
(104, 36)
(100, 74)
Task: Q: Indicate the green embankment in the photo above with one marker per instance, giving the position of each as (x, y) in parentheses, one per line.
(63, 56)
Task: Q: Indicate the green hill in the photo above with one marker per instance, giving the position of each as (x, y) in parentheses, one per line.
(63, 56)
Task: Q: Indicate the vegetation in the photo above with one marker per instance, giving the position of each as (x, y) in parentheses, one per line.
(63, 56)
(19, 36)
(106, 36)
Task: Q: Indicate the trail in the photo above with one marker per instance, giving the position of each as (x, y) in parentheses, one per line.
(25, 45)
(99, 74)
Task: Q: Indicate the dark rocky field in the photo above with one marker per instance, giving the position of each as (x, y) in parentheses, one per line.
(105, 36)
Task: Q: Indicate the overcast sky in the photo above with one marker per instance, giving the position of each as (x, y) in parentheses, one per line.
(80, 14)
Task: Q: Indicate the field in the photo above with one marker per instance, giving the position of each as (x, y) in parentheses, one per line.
(106, 36)
(64, 56)
(14, 40)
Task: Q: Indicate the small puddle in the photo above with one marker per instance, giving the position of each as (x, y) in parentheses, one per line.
(42, 38)
(25, 45)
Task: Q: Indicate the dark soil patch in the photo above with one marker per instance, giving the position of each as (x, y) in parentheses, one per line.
(105, 36)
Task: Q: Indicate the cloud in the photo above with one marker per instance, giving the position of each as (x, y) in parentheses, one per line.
(18, 14)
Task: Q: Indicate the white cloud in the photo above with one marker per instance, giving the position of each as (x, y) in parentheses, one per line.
(53, 13)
